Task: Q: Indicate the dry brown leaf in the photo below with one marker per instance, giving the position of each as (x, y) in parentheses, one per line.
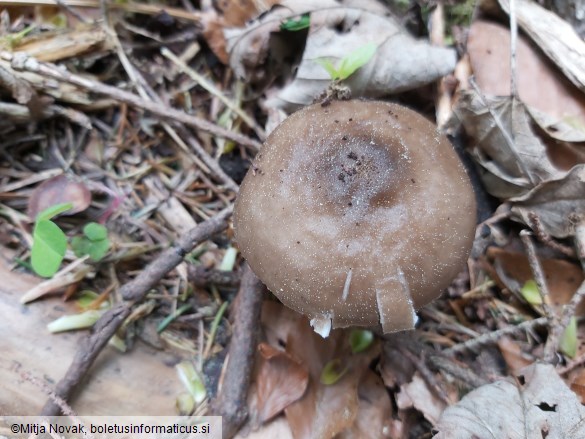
(555, 37)
(418, 395)
(552, 100)
(280, 381)
(578, 385)
(57, 190)
(374, 412)
(324, 410)
(537, 404)
(562, 277)
(229, 14)
(400, 62)
(555, 203)
(513, 160)
(513, 356)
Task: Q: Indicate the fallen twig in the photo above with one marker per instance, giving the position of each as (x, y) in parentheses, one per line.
(231, 401)
(169, 259)
(492, 337)
(555, 330)
(29, 64)
(134, 290)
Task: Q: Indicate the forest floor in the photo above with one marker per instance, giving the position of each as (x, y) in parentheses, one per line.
(126, 130)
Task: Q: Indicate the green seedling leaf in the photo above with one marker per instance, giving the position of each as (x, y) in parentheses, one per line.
(48, 249)
(95, 232)
(296, 23)
(94, 243)
(76, 321)
(568, 345)
(360, 340)
(328, 65)
(191, 380)
(332, 372)
(356, 59)
(99, 249)
(80, 245)
(530, 293)
(52, 211)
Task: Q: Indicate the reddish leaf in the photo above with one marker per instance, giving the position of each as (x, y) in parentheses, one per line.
(280, 381)
(58, 190)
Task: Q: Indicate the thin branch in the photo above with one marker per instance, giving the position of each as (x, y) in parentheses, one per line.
(169, 259)
(231, 401)
(493, 337)
(24, 63)
(134, 290)
(86, 354)
(555, 329)
(134, 7)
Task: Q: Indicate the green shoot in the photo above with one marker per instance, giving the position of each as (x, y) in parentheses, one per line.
(568, 345)
(76, 321)
(192, 381)
(360, 340)
(297, 23)
(530, 293)
(332, 372)
(49, 242)
(94, 242)
(350, 62)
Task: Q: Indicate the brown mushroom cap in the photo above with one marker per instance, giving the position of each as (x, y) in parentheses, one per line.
(356, 213)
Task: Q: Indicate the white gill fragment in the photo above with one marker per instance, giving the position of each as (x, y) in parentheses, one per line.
(322, 325)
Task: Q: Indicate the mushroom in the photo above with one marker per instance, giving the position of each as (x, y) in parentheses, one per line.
(357, 213)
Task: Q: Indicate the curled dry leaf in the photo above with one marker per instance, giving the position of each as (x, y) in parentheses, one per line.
(512, 158)
(555, 37)
(229, 14)
(400, 63)
(537, 404)
(280, 380)
(58, 190)
(327, 410)
(374, 411)
(555, 202)
(529, 154)
(418, 395)
(552, 100)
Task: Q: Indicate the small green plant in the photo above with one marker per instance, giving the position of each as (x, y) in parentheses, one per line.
(296, 23)
(49, 241)
(350, 62)
(332, 372)
(569, 342)
(94, 242)
(530, 293)
(360, 340)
